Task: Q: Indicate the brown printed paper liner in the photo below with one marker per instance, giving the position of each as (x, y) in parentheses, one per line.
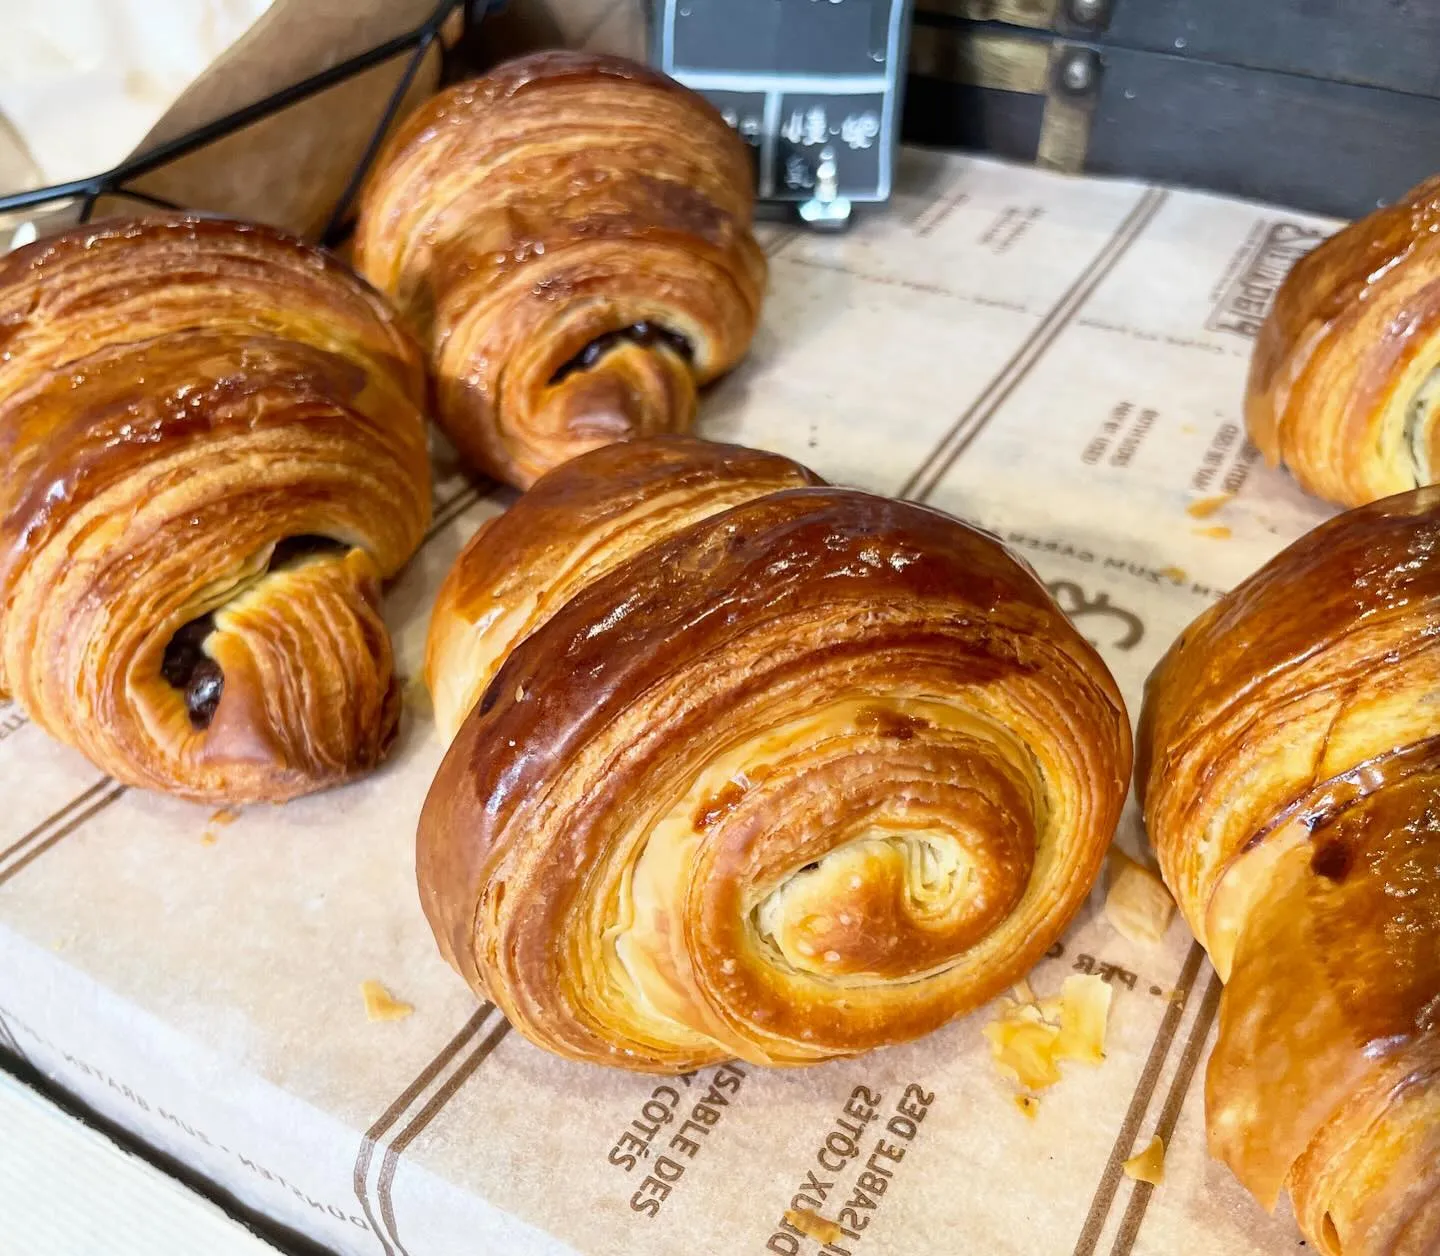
(1060, 360)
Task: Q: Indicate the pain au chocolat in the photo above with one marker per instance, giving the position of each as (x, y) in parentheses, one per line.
(215, 451)
(755, 767)
(1344, 384)
(570, 237)
(1290, 770)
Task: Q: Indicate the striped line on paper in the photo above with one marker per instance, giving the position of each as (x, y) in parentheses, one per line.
(969, 425)
(60, 825)
(448, 511)
(919, 487)
(1112, 1175)
(1170, 1113)
(420, 1102)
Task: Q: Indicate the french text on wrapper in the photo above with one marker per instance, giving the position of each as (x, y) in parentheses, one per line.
(1227, 445)
(675, 1124)
(868, 1141)
(1143, 572)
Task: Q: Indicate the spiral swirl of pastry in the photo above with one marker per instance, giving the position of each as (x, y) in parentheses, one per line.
(215, 451)
(570, 236)
(1290, 770)
(794, 778)
(1344, 385)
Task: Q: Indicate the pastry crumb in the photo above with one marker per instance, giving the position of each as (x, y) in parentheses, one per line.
(1024, 1050)
(226, 816)
(209, 838)
(1177, 574)
(1028, 1104)
(381, 1005)
(1137, 905)
(1084, 1015)
(813, 1225)
(1029, 1039)
(1218, 533)
(1148, 1165)
(1022, 991)
(1204, 507)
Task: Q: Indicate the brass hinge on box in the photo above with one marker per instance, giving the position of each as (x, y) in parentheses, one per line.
(1041, 53)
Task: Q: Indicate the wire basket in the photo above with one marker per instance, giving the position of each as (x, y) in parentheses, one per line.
(75, 201)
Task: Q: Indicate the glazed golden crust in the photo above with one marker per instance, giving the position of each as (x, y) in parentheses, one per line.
(549, 206)
(177, 397)
(810, 775)
(1344, 385)
(1290, 770)
(578, 522)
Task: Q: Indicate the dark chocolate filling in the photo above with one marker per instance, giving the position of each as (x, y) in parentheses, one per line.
(1332, 861)
(293, 548)
(189, 669)
(643, 333)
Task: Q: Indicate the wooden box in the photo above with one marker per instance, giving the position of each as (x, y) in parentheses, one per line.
(1329, 105)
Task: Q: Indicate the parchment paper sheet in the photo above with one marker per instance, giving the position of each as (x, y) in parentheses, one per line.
(1060, 360)
(83, 83)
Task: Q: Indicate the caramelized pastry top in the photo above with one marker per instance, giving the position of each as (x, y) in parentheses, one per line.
(1290, 772)
(1344, 385)
(582, 520)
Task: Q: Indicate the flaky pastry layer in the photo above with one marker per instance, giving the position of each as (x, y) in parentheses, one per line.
(1290, 770)
(1344, 384)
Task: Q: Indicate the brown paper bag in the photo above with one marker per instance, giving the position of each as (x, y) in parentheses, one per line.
(287, 169)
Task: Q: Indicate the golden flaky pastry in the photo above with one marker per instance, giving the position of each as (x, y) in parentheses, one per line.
(1290, 770)
(214, 451)
(579, 522)
(570, 236)
(1345, 382)
(785, 781)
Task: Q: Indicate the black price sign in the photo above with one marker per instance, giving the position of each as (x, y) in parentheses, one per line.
(806, 82)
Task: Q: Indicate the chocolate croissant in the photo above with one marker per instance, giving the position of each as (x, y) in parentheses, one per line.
(790, 773)
(1344, 384)
(570, 237)
(215, 451)
(1290, 771)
